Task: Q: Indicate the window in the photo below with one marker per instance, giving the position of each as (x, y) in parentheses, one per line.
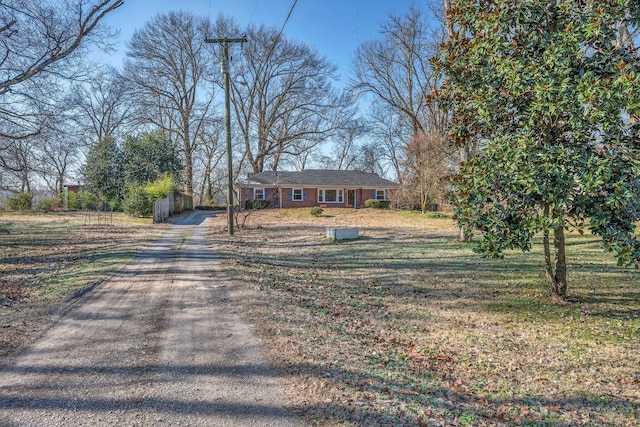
(381, 195)
(297, 194)
(329, 196)
(259, 193)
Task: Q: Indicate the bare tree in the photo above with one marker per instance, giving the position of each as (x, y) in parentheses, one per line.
(57, 156)
(346, 149)
(395, 69)
(169, 68)
(286, 104)
(369, 159)
(426, 168)
(105, 103)
(395, 73)
(41, 44)
(20, 163)
(391, 131)
(208, 158)
(303, 160)
(39, 41)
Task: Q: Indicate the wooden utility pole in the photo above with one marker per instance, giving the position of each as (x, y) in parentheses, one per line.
(225, 43)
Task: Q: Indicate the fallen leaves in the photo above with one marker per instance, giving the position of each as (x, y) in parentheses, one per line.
(44, 259)
(436, 332)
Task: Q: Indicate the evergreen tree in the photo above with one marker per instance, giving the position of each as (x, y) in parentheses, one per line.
(551, 92)
(103, 171)
(149, 156)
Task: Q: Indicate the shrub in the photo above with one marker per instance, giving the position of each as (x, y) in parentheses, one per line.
(377, 204)
(161, 187)
(139, 198)
(72, 200)
(137, 201)
(252, 205)
(50, 203)
(83, 200)
(316, 211)
(113, 205)
(87, 201)
(20, 202)
(211, 208)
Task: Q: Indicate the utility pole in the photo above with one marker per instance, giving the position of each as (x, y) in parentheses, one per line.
(225, 43)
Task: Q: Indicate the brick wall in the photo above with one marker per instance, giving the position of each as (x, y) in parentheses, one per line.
(310, 198)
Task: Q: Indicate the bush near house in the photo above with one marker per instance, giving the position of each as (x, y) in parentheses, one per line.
(377, 204)
(316, 211)
(257, 204)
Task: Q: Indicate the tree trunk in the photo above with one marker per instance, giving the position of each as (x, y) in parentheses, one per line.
(559, 284)
(276, 161)
(60, 183)
(464, 236)
(556, 271)
(208, 195)
(188, 171)
(188, 155)
(465, 155)
(548, 267)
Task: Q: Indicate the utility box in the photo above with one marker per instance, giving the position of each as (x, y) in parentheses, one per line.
(342, 233)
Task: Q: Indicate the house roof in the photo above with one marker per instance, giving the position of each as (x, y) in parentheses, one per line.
(318, 178)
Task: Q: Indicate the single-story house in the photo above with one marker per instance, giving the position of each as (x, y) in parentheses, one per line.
(308, 188)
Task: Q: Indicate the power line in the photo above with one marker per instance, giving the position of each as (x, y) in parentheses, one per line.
(277, 39)
(254, 11)
(287, 20)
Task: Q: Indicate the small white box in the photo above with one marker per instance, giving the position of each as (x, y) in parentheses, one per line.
(342, 233)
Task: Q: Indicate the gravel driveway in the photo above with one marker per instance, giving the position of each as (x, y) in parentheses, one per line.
(160, 343)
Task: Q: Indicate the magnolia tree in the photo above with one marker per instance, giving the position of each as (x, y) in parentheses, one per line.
(551, 92)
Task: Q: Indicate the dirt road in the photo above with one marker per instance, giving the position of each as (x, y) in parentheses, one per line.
(160, 343)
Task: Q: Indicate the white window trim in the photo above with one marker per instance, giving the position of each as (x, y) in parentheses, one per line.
(293, 194)
(339, 195)
(255, 193)
(384, 194)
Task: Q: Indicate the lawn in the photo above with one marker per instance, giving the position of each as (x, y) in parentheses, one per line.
(45, 259)
(404, 326)
(407, 326)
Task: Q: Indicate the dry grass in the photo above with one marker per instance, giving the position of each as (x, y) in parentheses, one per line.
(406, 326)
(47, 258)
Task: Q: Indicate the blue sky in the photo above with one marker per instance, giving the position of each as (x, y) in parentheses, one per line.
(334, 27)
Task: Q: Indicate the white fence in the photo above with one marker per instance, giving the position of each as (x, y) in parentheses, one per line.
(173, 203)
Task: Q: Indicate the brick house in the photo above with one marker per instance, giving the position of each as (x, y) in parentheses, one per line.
(308, 188)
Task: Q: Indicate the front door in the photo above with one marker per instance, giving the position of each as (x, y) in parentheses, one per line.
(351, 198)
